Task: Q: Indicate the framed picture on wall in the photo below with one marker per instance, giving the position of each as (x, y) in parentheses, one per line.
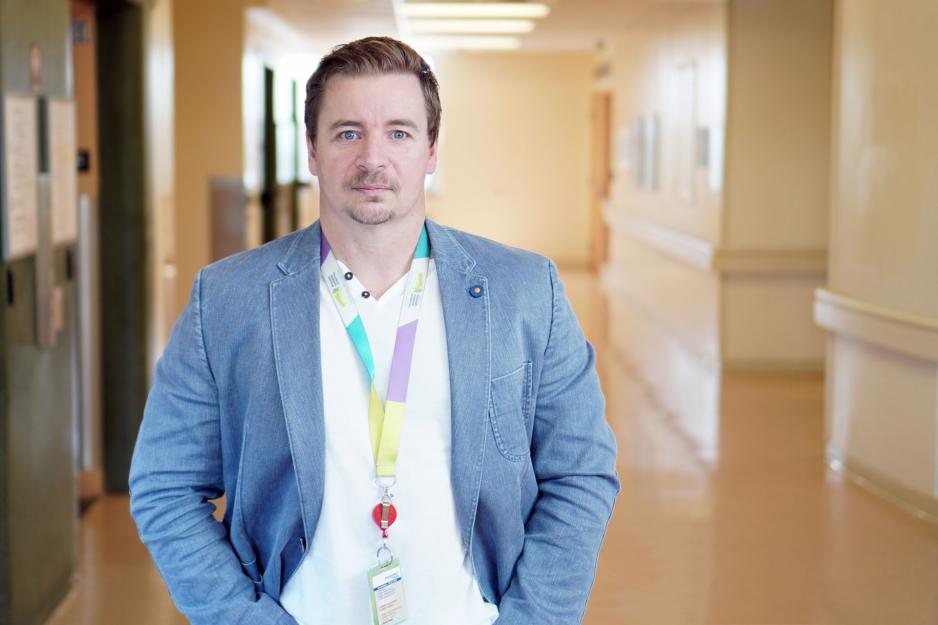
(650, 151)
(683, 156)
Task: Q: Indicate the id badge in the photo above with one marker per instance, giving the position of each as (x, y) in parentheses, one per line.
(387, 594)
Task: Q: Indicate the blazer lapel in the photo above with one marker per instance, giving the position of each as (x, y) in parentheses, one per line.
(468, 343)
(294, 316)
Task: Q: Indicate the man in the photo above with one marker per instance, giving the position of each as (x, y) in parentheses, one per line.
(372, 364)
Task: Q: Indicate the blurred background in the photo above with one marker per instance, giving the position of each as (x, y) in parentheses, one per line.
(742, 196)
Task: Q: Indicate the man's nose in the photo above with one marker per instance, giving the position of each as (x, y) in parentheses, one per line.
(371, 157)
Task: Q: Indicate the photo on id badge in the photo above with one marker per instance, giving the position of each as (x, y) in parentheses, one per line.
(388, 606)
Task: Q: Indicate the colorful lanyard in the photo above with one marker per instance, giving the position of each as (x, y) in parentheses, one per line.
(384, 419)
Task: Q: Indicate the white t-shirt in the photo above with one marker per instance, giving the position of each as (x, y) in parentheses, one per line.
(331, 584)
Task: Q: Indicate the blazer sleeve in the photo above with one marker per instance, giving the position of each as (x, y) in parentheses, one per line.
(573, 452)
(176, 468)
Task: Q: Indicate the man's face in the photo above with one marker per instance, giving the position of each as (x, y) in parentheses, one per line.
(372, 149)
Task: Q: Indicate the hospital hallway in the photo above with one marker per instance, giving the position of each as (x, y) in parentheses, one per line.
(740, 196)
(753, 530)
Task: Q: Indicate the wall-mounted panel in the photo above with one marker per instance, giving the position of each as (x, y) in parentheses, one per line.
(38, 464)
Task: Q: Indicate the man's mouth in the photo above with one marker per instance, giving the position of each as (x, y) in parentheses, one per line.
(371, 188)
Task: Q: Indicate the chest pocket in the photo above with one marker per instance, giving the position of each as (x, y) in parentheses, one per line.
(510, 412)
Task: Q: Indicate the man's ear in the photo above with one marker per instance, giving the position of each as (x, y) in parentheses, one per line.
(431, 163)
(311, 156)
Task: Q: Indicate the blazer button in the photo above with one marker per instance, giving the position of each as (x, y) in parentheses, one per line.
(476, 290)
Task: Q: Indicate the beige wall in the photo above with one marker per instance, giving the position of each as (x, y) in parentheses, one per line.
(778, 127)
(680, 52)
(664, 296)
(514, 155)
(208, 37)
(161, 191)
(881, 305)
(775, 201)
(749, 222)
(885, 190)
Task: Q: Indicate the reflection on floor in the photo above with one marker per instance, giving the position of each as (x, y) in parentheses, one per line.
(754, 532)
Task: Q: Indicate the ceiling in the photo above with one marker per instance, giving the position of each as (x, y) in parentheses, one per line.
(571, 24)
(331, 22)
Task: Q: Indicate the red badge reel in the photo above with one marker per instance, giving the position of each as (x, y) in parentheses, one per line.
(384, 515)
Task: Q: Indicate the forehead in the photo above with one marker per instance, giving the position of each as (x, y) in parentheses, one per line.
(373, 99)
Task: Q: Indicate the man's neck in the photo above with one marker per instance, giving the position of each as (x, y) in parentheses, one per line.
(378, 255)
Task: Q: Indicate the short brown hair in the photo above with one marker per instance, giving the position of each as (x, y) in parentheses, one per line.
(370, 56)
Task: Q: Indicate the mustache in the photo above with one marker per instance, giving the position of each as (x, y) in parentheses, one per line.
(375, 180)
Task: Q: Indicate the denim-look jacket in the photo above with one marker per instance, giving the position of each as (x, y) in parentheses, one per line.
(236, 408)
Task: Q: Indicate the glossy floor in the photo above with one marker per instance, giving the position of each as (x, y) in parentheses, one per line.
(755, 531)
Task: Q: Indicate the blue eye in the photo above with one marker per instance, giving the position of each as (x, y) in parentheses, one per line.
(347, 135)
(399, 134)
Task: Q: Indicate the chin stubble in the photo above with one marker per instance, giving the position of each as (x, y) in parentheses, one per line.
(370, 213)
(370, 217)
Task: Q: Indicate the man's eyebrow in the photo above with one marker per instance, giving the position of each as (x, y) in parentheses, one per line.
(403, 122)
(347, 123)
(342, 123)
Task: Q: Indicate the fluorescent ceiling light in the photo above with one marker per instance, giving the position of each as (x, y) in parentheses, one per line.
(476, 9)
(501, 27)
(465, 42)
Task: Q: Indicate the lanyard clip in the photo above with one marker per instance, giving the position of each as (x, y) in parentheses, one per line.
(386, 483)
(384, 550)
(385, 513)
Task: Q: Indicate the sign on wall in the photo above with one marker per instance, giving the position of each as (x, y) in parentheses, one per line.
(63, 171)
(18, 190)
